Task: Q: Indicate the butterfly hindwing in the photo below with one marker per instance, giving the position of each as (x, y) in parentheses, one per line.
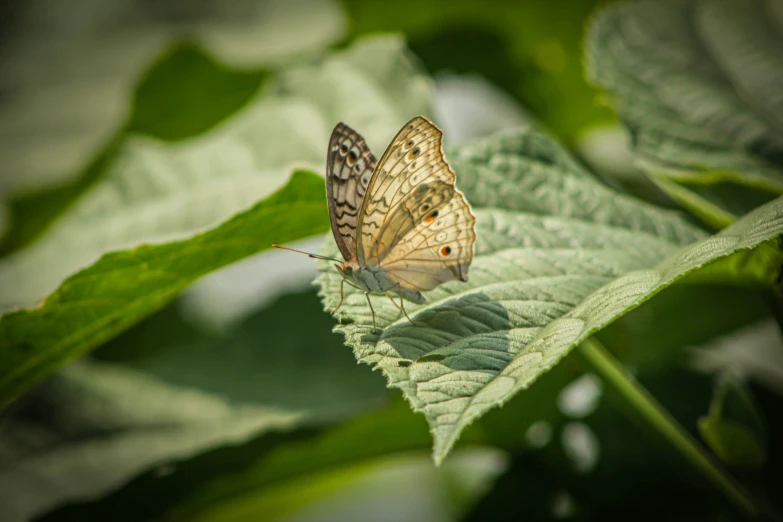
(349, 168)
(437, 250)
(414, 223)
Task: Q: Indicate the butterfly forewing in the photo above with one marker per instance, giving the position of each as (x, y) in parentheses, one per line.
(414, 223)
(349, 168)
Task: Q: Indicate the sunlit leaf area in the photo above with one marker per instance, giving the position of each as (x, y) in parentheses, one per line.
(615, 352)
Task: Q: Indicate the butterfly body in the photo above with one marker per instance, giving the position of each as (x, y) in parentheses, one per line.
(375, 281)
(400, 223)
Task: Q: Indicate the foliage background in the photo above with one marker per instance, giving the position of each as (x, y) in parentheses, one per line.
(205, 387)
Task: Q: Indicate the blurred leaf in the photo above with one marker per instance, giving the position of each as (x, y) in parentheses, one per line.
(184, 93)
(165, 390)
(532, 50)
(93, 425)
(69, 71)
(55, 119)
(264, 478)
(734, 428)
(31, 213)
(754, 351)
(734, 443)
(157, 192)
(125, 286)
(269, 359)
(558, 257)
(167, 106)
(694, 82)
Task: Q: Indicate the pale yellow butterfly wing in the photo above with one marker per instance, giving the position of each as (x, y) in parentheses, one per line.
(349, 167)
(414, 223)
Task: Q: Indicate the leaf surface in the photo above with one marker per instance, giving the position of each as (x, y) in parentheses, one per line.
(167, 213)
(692, 81)
(558, 257)
(125, 286)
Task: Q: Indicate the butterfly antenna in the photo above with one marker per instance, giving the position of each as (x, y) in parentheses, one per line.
(314, 256)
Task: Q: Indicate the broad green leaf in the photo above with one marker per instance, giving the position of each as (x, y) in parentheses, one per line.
(125, 286)
(104, 423)
(185, 92)
(73, 117)
(558, 257)
(61, 125)
(157, 191)
(58, 117)
(167, 390)
(30, 214)
(734, 428)
(694, 83)
(265, 478)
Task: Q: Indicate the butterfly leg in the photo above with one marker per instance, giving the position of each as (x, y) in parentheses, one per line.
(374, 329)
(393, 302)
(342, 295)
(402, 307)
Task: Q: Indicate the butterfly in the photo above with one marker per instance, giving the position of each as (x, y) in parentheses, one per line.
(400, 223)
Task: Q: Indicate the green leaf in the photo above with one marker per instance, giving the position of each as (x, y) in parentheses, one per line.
(558, 257)
(184, 93)
(77, 106)
(104, 423)
(734, 428)
(64, 121)
(693, 82)
(31, 213)
(167, 106)
(157, 191)
(167, 390)
(125, 286)
(267, 477)
(165, 193)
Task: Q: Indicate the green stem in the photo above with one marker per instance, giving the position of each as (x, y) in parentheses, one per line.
(660, 419)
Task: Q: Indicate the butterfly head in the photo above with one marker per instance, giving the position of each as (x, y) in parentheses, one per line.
(350, 271)
(353, 274)
(345, 269)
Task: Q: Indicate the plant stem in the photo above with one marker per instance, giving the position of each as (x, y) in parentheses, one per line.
(660, 419)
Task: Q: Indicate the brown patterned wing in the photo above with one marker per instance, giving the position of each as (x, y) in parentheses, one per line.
(349, 167)
(414, 223)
